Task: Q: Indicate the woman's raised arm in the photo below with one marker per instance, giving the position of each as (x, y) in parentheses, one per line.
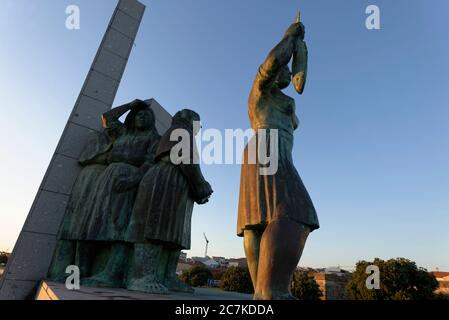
(111, 118)
(279, 56)
(111, 123)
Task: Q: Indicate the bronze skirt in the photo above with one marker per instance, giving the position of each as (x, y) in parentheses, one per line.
(163, 208)
(109, 211)
(76, 216)
(264, 198)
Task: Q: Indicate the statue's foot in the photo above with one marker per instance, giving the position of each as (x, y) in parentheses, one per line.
(174, 284)
(258, 296)
(147, 285)
(102, 280)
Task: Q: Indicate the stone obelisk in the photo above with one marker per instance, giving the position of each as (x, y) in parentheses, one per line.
(34, 248)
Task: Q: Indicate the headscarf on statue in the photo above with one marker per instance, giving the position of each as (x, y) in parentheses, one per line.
(182, 151)
(182, 128)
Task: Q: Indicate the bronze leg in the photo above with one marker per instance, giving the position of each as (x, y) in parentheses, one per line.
(251, 242)
(85, 254)
(112, 275)
(281, 248)
(171, 280)
(145, 269)
(63, 257)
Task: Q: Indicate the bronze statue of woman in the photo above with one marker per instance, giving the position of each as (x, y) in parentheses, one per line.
(94, 161)
(132, 154)
(160, 224)
(276, 213)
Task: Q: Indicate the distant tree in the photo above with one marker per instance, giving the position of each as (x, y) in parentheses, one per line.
(237, 279)
(197, 276)
(400, 279)
(218, 273)
(3, 258)
(305, 287)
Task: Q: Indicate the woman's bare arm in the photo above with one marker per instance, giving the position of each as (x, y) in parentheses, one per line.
(111, 117)
(279, 56)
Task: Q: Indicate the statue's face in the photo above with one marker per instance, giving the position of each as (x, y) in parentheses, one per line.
(284, 78)
(143, 120)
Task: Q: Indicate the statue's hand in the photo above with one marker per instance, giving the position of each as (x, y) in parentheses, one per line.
(203, 193)
(295, 121)
(124, 184)
(135, 103)
(296, 30)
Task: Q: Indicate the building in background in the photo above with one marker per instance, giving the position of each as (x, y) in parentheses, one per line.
(218, 264)
(221, 260)
(332, 282)
(208, 262)
(183, 256)
(240, 262)
(443, 280)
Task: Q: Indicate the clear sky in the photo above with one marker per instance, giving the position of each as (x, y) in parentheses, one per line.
(372, 149)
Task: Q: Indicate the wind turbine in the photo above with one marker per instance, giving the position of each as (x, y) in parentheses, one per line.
(207, 244)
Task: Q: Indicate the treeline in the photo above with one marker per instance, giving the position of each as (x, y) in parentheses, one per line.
(4, 258)
(238, 279)
(398, 279)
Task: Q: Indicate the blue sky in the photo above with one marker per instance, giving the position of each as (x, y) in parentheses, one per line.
(372, 149)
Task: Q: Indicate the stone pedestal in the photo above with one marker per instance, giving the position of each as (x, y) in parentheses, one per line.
(58, 291)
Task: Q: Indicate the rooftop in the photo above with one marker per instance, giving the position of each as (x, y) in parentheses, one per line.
(440, 274)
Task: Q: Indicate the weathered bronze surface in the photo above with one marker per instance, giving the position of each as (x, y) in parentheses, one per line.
(161, 219)
(130, 212)
(93, 230)
(94, 160)
(276, 213)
